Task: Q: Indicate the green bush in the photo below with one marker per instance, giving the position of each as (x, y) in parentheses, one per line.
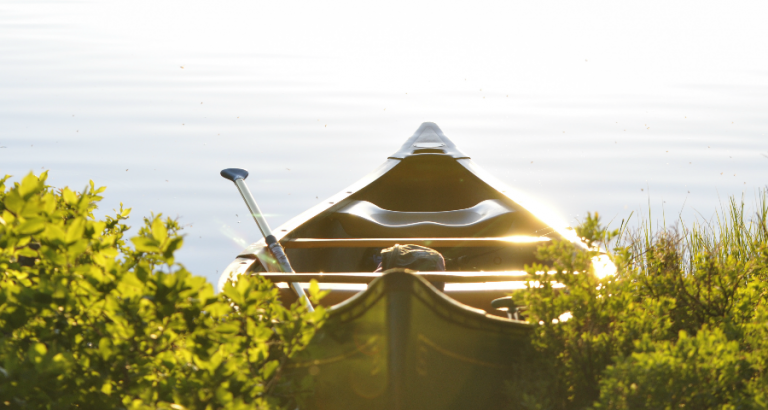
(706, 371)
(683, 323)
(90, 320)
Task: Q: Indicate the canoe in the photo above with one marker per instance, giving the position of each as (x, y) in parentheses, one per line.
(394, 340)
(427, 193)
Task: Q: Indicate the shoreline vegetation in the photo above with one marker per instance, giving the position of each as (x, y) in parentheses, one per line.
(90, 318)
(682, 324)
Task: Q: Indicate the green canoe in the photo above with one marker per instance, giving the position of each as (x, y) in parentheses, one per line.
(393, 340)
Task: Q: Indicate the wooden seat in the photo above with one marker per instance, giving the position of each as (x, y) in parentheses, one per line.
(305, 243)
(491, 216)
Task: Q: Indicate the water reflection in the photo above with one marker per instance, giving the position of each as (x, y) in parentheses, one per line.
(601, 107)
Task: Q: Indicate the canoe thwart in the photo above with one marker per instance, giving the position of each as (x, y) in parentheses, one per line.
(367, 277)
(304, 243)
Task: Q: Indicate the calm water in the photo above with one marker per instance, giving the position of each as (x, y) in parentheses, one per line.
(587, 107)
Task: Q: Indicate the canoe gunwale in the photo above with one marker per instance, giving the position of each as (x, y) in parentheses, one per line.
(408, 356)
(442, 305)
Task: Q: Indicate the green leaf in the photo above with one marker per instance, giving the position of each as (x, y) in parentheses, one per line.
(32, 226)
(269, 368)
(69, 197)
(228, 328)
(158, 230)
(13, 202)
(314, 287)
(49, 203)
(315, 294)
(8, 217)
(29, 186)
(76, 230)
(28, 252)
(147, 245)
(234, 292)
(105, 348)
(172, 246)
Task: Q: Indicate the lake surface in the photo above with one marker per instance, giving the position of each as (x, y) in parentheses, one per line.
(592, 106)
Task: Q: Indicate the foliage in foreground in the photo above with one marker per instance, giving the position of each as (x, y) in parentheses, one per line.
(683, 323)
(88, 321)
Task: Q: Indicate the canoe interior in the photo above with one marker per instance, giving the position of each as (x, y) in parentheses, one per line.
(427, 193)
(424, 183)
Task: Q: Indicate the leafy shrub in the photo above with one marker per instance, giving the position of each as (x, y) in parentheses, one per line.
(88, 321)
(706, 371)
(683, 323)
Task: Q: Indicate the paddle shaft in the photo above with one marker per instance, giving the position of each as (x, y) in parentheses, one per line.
(274, 246)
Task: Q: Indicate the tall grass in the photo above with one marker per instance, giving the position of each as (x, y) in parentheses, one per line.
(731, 234)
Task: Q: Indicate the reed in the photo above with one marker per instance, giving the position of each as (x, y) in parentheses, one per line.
(731, 234)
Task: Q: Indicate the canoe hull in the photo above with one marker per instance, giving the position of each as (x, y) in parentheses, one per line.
(404, 345)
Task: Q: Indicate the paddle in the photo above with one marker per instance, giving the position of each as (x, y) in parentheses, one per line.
(238, 176)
